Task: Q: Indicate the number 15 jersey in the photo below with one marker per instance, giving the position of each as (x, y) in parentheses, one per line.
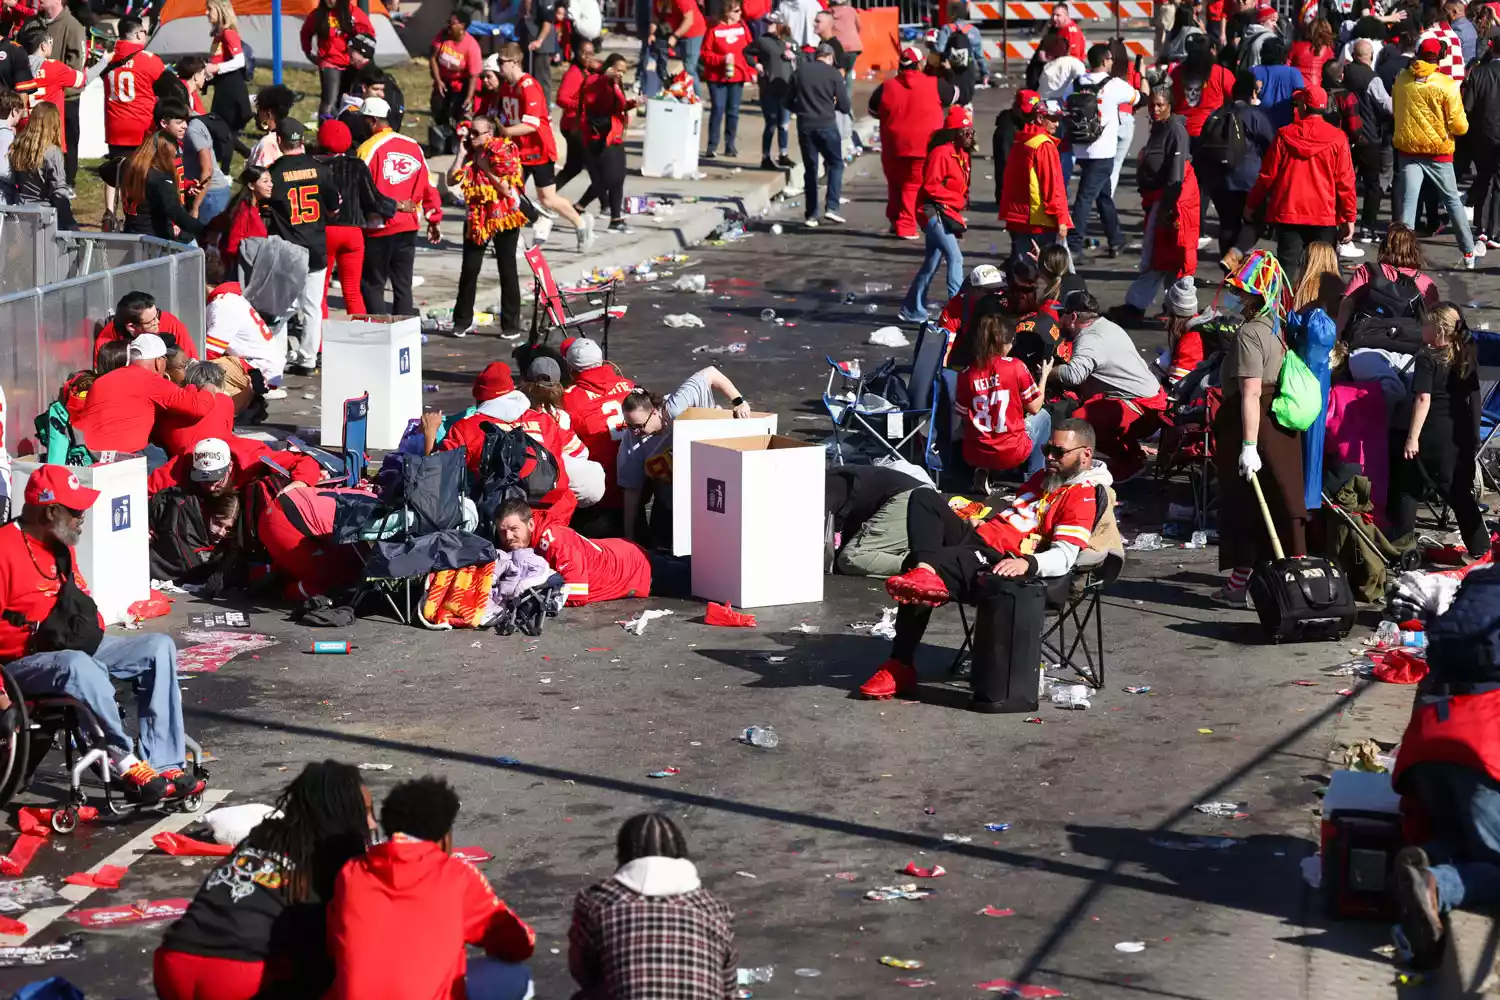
(303, 199)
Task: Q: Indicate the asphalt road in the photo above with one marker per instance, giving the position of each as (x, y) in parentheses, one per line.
(855, 788)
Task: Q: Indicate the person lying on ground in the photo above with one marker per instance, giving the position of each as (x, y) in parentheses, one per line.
(593, 400)
(257, 923)
(617, 946)
(868, 505)
(403, 914)
(1041, 534)
(124, 406)
(593, 570)
(52, 640)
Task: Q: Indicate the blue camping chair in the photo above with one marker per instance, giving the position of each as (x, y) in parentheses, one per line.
(894, 410)
(348, 469)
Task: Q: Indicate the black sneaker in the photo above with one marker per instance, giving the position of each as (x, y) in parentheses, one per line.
(785, 161)
(708, 154)
(618, 226)
(183, 784)
(143, 786)
(767, 163)
(731, 152)
(1421, 917)
(303, 371)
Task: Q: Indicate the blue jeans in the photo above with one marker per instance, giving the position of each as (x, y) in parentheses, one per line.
(1039, 429)
(491, 979)
(1413, 170)
(689, 49)
(1464, 804)
(724, 104)
(1122, 151)
(1093, 190)
(148, 661)
(941, 245)
(778, 121)
(1065, 157)
(821, 141)
(1021, 244)
(215, 200)
(648, 71)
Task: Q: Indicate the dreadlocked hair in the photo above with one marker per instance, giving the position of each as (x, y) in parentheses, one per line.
(324, 822)
(649, 835)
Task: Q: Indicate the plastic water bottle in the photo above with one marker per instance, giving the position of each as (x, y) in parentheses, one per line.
(756, 976)
(766, 315)
(1387, 634)
(764, 737)
(1414, 639)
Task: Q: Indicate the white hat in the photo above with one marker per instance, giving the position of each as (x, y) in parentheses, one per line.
(1052, 109)
(375, 107)
(985, 276)
(211, 460)
(584, 354)
(492, 64)
(146, 347)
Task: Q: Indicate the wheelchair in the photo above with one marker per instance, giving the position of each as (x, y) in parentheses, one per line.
(44, 721)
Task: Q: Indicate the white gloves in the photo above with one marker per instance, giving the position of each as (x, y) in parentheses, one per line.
(1249, 461)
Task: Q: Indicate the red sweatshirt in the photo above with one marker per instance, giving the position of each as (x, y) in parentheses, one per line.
(176, 435)
(401, 916)
(245, 465)
(570, 99)
(1033, 194)
(400, 172)
(1307, 176)
(333, 51)
(603, 98)
(945, 180)
(724, 53)
(169, 324)
(910, 111)
(124, 405)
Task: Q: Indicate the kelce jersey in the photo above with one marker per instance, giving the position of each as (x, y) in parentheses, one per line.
(525, 103)
(303, 199)
(993, 401)
(603, 569)
(598, 422)
(129, 97)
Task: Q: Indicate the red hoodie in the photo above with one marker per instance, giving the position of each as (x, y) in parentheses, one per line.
(910, 111)
(401, 916)
(945, 180)
(1307, 176)
(333, 51)
(724, 53)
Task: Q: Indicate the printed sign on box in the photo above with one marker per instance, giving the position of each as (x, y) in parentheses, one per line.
(716, 496)
(119, 513)
(405, 360)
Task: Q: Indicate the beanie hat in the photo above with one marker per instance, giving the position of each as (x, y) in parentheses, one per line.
(493, 382)
(334, 137)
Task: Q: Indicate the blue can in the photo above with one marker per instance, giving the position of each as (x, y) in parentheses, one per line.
(332, 646)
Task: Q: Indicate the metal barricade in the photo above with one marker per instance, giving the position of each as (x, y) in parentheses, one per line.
(27, 236)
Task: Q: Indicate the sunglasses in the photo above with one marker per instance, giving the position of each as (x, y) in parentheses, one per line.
(1053, 451)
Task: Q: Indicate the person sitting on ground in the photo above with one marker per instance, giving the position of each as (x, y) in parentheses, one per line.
(503, 407)
(543, 387)
(1122, 400)
(593, 570)
(52, 640)
(1057, 276)
(235, 332)
(113, 355)
(1004, 423)
(1448, 775)
(978, 297)
(645, 457)
(124, 406)
(593, 402)
(175, 434)
(137, 313)
(258, 920)
(1184, 340)
(868, 506)
(616, 944)
(1041, 534)
(410, 897)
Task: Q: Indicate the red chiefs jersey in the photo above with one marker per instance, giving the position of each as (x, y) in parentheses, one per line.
(468, 434)
(129, 97)
(593, 401)
(1037, 520)
(602, 569)
(993, 401)
(48, 85)
(525, 103)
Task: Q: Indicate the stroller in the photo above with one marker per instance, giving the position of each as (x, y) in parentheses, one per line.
(1345, 524)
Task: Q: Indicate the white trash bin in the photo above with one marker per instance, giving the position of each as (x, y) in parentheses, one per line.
(381, 355)
(670, 148)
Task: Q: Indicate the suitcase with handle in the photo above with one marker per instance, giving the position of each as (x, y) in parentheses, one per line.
(1299, 599)
(1008, 621)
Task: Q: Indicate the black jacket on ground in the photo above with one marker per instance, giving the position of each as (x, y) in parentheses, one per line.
(817, 94)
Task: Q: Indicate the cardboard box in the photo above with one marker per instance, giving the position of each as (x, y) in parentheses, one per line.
(757, 514)
(381, 355)
(114, 552)
(702, 423)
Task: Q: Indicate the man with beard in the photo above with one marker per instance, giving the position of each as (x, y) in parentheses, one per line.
(52, 640)
(1041, 534)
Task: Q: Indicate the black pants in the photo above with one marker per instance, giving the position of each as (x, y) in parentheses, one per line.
(330, 82)
(1291, 241)
(576, 163)
(606, 178)
(389, 259)
(505, 243)
(946, 542)
(1447, 464)
(1234, 232)
(70, 127)
(1367, 184)
(450, 108)
(1484, 194)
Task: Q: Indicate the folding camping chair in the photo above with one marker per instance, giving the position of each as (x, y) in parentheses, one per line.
(348, 469)
(1489, 424)
(892, 413)
(550, 309)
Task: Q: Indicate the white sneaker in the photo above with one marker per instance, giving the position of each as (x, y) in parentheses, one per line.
(1204, 242)
(465, 331)
(810, 223)
(542, 229)
(1349, 251)
(1470, 261)
(834, 217)
(845, 201)
(277, 393)
(586, 232)
(1480, 248)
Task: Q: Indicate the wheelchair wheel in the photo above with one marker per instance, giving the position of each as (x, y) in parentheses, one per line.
(15, 743)
(65, 820)
(191, 803)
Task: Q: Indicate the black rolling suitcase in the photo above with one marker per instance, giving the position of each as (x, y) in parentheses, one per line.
(1007, 665)
(1299, 600)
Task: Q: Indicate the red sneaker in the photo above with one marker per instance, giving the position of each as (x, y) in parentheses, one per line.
(918, 586)
(183, 784)
(893, 678)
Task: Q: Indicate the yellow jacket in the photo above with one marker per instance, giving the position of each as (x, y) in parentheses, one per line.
(1429, 111)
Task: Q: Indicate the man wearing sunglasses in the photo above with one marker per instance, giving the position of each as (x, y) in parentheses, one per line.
(1042, 533)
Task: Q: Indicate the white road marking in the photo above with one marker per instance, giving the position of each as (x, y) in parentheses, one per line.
(42, 917)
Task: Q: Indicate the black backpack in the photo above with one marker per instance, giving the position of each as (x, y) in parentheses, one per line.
(504, 455)
(1388, 313)
(73, 622)
(1085, 123)
(180, 546)
(1221, 145)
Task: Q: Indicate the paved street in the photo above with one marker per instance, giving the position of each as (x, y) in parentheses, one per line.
(1099, 802)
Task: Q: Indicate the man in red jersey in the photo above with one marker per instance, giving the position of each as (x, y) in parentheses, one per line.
(593, 402)
(524, 118)
(593, 569)
(129, 97)
(400, 172)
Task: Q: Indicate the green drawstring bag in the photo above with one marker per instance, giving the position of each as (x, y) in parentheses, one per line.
(1299, 395)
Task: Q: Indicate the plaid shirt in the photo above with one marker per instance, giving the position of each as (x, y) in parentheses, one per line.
(628, 946)
(1452, 61)
(1350, 120)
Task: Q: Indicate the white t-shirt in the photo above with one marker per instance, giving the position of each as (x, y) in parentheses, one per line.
(1057, 78)
(1112, 95)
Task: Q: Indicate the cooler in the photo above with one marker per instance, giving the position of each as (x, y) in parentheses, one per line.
(114, 553)
(1360, 835)
(671, 145)
(378, 354)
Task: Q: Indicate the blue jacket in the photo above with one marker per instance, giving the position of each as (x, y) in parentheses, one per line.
(1277, 85)
(1259, 134)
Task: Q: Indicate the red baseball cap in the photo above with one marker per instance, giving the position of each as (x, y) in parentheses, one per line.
(57, 484)
(1027, 101)
(493, 382)
(958, 118)
(1312, 96)
(1265, 12)
(1430, 50)
(910, 56)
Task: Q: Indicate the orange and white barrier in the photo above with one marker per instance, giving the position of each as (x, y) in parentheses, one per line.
(1025, 50)
(1083, 10)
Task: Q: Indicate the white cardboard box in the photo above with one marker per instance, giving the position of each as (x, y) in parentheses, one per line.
(701, 423)
(114, 553)
(758, 520)
(382, 355)
(670, 148)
